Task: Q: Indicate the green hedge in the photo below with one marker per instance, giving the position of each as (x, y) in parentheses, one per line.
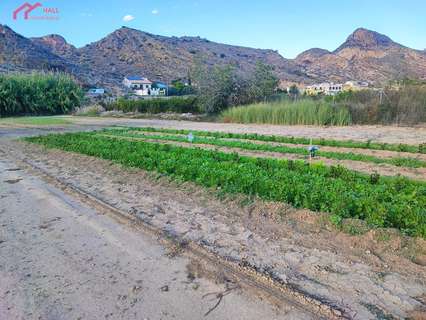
(38, 94)
(156, 105)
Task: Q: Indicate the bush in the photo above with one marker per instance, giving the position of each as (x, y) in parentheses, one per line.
(306, 111)
(38, 94)
(90, 111)
(156, 105)
(393, 105)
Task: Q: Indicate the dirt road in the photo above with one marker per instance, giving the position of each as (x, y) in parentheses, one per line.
(62, 260)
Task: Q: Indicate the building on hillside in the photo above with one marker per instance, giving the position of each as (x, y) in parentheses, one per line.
(159, 89)
(331, 89)
(327, 88)
(95, 92)
(355, 85)
(139, 85)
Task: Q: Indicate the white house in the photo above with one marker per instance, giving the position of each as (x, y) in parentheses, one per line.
(355, 85)
(327, 88)
(141, 86)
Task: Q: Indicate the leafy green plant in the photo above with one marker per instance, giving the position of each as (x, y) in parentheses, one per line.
(391, 202)
(374, 178)
(397, 161)
(292, 140)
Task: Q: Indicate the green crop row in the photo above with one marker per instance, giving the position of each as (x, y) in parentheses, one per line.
(381, 201)
(396, 161)
(421, 148)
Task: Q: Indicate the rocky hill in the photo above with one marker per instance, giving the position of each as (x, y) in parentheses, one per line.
(20, 53)
(56, 44)
(365, 55)
(129, 51)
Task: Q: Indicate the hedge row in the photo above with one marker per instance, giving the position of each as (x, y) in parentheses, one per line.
(184, 104)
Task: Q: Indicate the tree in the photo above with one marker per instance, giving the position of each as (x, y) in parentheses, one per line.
(220, 87)
(214, 86)
(293, 91)
(178, 84)
(263, 82)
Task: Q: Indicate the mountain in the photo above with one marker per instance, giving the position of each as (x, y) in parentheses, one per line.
(367, 40)
(129, 51)
(20, 53)
(56, 44)
(365, 55)
(311, 54)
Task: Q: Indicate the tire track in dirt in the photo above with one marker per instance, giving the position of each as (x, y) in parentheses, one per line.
(325, 265)
(243, 273)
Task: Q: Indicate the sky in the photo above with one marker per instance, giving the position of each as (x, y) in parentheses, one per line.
(287, 26)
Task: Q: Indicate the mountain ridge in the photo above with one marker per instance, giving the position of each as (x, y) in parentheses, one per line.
(365, 55)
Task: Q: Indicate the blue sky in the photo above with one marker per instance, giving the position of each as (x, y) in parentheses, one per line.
(287, 26)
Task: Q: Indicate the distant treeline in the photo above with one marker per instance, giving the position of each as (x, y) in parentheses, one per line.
(183, 104)
(38, 94)
(404, 105)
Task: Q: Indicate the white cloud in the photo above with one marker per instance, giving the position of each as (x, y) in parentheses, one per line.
(86, 14)
(128, 17)
(155, 11)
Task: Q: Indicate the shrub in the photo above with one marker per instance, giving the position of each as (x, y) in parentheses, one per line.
(182, 104)
(90, 111)
(404, 104)
(38, 94)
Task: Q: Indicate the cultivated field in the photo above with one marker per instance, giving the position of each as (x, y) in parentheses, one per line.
(345, 229)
